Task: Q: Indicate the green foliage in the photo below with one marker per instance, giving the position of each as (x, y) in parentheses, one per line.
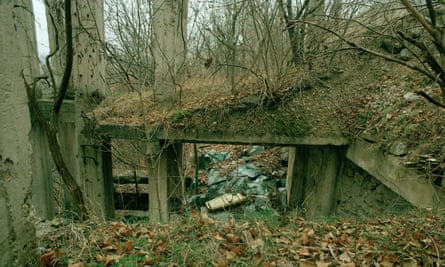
(177, 115)
(286, 123)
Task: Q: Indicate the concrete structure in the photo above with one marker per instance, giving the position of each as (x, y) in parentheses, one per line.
(316, 168)
(18, 55)
(315, 165)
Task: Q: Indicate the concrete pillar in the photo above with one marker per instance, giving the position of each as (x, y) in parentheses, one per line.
(169, 45)
(165, 183)
(312, 179)
(18, 55)
(42, 186)
(98, 178)
(93, 164)
(295, 179)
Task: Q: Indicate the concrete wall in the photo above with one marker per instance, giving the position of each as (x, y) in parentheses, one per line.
(390, 171)
(17, 233)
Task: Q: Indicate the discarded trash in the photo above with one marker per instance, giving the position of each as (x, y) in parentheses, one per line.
(225, 200)
(248, 170)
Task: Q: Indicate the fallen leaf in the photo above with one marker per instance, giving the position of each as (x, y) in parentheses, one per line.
(100, 258)
(149, 260)
(218, 237)
(237, 250)
(144, 232)
(409, 263)
(307, 264)
(232, 238)
(304, 252)
(345, 257)
(142, 252)
(222, 262)
(110, 259)
(47, 258)
(322, 264)
(129, 246)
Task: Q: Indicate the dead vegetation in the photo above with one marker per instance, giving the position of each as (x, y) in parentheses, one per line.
(254, 240)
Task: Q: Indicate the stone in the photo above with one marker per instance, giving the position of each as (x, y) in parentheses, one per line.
(251, 100)
(411, 96)
(398, 148)
(405, 54)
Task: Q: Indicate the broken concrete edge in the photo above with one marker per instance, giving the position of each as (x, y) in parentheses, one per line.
(392, 173)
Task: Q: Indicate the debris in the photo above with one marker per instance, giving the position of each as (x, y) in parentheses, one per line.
(224, 201)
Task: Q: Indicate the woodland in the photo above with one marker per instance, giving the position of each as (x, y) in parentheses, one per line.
(368, 70)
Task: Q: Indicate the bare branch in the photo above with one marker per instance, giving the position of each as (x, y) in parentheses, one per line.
(421, 19)
(432, 12)
(69, 59)
(372, 52)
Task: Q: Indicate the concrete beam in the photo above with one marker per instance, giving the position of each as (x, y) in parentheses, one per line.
(191, 136)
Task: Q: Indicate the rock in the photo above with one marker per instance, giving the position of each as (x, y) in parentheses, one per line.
(411, 96)
(398, 148)
(405, 54)
(251, 100)
(391, 45)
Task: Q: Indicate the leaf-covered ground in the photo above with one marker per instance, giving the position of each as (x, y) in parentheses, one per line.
(254, 240)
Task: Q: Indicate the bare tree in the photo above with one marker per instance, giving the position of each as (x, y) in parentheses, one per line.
(129, 44)
(298, 11)
(385, 28)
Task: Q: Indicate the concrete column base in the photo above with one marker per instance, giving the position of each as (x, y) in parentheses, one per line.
(165, 179)
(312, 179)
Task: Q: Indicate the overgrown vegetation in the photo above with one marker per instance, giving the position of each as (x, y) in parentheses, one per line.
(251, 240)
(242, 81)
